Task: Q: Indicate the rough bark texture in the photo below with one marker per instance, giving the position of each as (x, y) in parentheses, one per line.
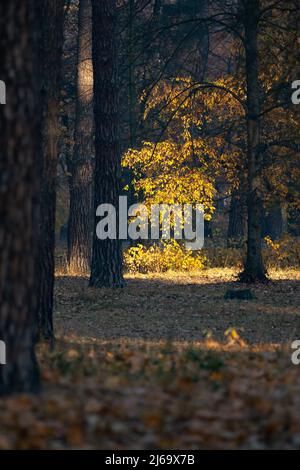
(19, 189)
(254, 269)
(107, 256)
(51, 18)
(79, 243)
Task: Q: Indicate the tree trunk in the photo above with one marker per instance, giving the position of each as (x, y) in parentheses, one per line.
(19, 189)
(79, 243)
(51, 19)
(106, 257)
(201, 10)
(273, 221)
(237, 219)
(131, 88)
(254, 269)
(284, 218)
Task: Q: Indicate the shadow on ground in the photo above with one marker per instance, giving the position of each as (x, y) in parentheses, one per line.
(178, 308)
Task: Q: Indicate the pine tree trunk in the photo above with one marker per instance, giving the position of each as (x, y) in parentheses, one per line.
(79, 243)
(19, 188)
(254, 269)
(51, 19)
(107, 256)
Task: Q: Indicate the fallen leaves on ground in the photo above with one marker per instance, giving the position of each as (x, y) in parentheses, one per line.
(134, 395)
(180, 307)
(165, 363)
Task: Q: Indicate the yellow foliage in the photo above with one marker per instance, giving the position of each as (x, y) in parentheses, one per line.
(169, 256)
(184, 166)
(277, 254)
(166, 174)
(204, 139)
(283, 253)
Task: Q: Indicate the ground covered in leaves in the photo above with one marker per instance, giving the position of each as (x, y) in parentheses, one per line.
(166, 363)
(180, 307)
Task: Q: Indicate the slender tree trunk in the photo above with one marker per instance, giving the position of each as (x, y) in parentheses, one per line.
(51, 18)
(273, 221)
(131, 90)
(107, 256)
(19, 189)
(284, 218)
(237, 218)
(79, 243)
(254, 269)
(203, 41)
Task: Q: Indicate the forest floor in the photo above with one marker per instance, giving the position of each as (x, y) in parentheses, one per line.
(165, 363)
(180, 307)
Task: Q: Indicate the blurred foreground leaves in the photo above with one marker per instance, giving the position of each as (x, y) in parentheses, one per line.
(142, 395)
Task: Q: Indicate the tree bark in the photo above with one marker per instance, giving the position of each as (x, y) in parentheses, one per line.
(51, 41)
(254, 269)
(79, 226)
(273, 221)
(202, 10)
(19, 189)
(237, 218)
(106, 256)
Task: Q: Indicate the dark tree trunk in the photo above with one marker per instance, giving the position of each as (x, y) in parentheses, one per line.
(107, 255)
(203, 41)
(79, 226)
(208, 229)
(273, 223)
(254, 269)
(291, 221)
(51, 19)
(19, 189)
(131, 88)
(237, 219)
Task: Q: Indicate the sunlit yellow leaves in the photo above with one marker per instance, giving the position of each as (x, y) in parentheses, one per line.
(171, 173)
(183, 165)
(171, 256)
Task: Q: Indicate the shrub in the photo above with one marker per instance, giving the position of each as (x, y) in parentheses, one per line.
(168, 256)
(283, 253)
(223, 257)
